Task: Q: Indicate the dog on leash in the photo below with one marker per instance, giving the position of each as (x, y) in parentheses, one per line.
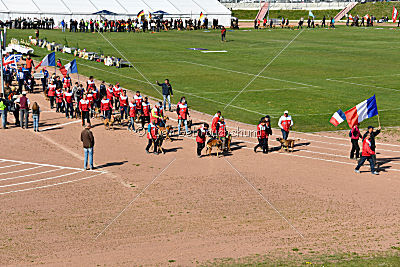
(214, 143)
(288, 144)
(165, 131)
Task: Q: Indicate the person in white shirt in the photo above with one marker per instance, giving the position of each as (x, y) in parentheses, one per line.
(285, 123)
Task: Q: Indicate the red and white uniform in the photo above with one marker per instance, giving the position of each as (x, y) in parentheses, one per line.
(90, 84)
(138, 101)
(66, 82)
(221, 129)
(146, 108)
(132, 109)
(117, 91)
(52, 90)
(84, 105)
(110, 93)
(214, 122)
(201, 135)
(152, 132)
(262, 131)
(366, 150)
(59, 96)
(105, 104)
(183, 110)
(90, 97)
(123, 101)
(285, 123)
(95, 95)
(68, 97)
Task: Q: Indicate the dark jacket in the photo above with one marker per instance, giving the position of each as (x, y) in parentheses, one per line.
(372, 139)
(166, 88)
(87, 138)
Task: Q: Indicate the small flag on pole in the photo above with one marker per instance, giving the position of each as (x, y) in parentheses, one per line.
(140, 14)
(310, 14)
(338, 118)
(394, 14)
(201, 16)
(364, 110)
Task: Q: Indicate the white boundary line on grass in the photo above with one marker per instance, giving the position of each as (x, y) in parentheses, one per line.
(135, 198)
(257, 90)
(59, 125)
(44, 179)
(263, 69)
(250, 74)
(50, 165)
(50, 185)
(368, 76)
(365, 85)
(264, 198)
(27, 175)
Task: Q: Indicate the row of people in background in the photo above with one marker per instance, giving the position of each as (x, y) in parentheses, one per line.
(28, 23)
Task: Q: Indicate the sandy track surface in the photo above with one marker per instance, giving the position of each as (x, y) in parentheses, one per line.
(191, 210)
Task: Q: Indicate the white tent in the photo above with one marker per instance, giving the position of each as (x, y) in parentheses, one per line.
(77, 9)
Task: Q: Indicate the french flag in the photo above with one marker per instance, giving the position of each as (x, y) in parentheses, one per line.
(69, 68)
(338, 117)
(364, 110)
(49, 60)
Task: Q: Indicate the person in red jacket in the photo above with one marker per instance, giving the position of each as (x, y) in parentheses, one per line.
(132, 115)
(84, 107)
(52, 93)
(123, 105)
(110, 93)
(152, 135)
(69, 101)
(367, 154)
(202, 133)
(263, 131)
(106, 107)
(183, 112)
(146, 111)
(117, 92)
(214, 123)
(138, 101)
(355, 136)
(59, 100)
(221, 131)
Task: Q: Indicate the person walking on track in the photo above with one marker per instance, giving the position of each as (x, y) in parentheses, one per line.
(87, 139)
(166, 92)
(202, 133)
(354, 136)
(367, 154)
(373, 134)
(285, 123)
(263, 131)
(24, 105)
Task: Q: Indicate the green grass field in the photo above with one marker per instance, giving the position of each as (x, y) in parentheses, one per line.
(312, 78)
(291, 14)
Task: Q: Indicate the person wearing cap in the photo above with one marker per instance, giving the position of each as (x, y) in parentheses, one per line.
(202, 133)
(87, 139)
(367, 154)
(24, 105)
(373, 134)
(285, 123)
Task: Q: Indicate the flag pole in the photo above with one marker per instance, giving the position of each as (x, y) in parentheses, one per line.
(379, 121)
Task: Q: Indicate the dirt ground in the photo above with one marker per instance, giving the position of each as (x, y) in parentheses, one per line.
(177, 209)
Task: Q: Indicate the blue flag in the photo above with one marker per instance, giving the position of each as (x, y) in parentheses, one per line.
(310, 14)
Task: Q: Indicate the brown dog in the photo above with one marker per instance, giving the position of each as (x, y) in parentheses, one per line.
(109, 123)
(287, 144)
(214, 143)
(165, 132)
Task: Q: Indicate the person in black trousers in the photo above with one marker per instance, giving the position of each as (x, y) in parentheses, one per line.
(166, 92)
(201, 138)
(373, 134)
(355, 148)
(263, 131)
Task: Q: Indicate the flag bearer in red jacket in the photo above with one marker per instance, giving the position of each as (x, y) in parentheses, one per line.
(263, 131)
(152, 136)
(202, 133)
(214, 123)
(367, 154)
